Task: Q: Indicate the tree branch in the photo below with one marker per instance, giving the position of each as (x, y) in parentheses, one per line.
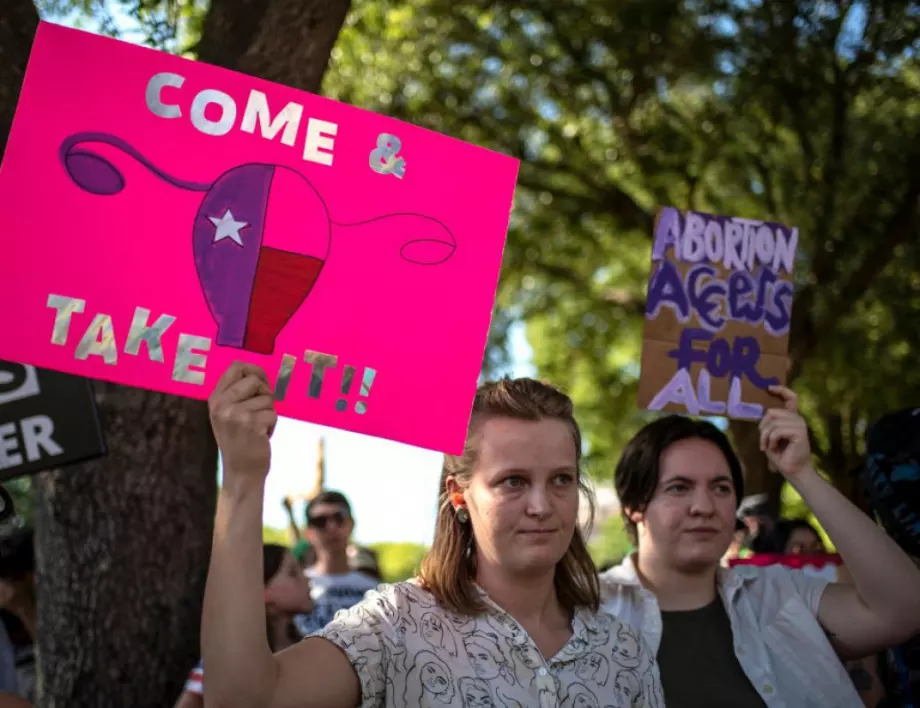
(766, 179)
(835, 150)
(902, 228)
(579, 57)
(806, 332)
(836, 452)
(619, 114)
(819, 450)
(615, 297)
(852, 441)
(624, 299)
(598, 199)
(833, 168)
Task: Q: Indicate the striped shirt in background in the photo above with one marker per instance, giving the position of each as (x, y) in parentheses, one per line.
(194, 682)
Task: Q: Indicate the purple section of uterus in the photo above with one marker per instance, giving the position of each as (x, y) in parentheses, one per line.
(226, 269)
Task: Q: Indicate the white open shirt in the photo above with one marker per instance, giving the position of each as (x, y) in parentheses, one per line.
(778, 640)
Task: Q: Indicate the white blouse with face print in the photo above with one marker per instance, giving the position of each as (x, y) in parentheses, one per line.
(408, 651)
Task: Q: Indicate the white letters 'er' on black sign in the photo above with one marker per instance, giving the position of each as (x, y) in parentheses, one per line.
(47, 419)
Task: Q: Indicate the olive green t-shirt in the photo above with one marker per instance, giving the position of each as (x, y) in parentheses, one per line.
(697, 661)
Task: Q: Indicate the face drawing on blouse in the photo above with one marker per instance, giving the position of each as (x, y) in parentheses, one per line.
(626, 686)
(585, 700)
(600, 637)
(626, 652)
(429, 679)
(462, 624)
(420, 601)
(434, 678)
(578, 644)
(593, 667)
(432, 631)
(361, 619)
(529, 656)
(652, 689)
(580, 697)
(485, 655)
(357, 631)
(505, 625)
(475, 693)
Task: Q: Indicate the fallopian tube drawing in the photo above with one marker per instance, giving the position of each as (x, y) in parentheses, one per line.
(253, 271)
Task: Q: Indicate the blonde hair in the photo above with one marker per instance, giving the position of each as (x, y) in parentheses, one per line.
(447, 570)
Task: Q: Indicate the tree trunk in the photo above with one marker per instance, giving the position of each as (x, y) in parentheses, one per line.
(286, 41)
(123, 543)
(18, 22)
(757, 475)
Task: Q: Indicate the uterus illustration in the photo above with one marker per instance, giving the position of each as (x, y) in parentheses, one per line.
(260, 238)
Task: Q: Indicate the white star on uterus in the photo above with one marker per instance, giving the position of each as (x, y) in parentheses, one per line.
(228, 227)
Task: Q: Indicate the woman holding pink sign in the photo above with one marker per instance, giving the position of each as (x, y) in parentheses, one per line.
(504, 612)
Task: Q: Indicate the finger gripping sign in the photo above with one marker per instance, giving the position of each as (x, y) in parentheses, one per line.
(163, 218)
(717, 315)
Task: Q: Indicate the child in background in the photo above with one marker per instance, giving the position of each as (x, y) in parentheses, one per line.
(18, 613)
(287, 594)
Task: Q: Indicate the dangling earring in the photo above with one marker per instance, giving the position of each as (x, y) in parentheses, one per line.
(463, 516)
(469, 548)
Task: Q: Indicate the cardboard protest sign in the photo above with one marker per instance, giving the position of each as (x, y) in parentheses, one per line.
(165, 217)
(47, 419)
(717, 314)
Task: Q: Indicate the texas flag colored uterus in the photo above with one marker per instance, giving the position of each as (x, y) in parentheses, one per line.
(252, 284)
(255, 264)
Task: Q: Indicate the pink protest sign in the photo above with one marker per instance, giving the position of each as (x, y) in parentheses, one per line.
(163, 218)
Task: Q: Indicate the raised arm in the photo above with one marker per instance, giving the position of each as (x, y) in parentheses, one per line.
(881, 608)
(240, 670)
(187, 700)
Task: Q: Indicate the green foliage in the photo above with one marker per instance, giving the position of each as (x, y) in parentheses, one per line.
(610, 543)
(20, 490)
(273, 535)
(171, 25)
(801, 111)
(398, 561)
(792, 506)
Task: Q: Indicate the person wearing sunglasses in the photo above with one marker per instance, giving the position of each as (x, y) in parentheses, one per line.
(335, 584)
(504, 611)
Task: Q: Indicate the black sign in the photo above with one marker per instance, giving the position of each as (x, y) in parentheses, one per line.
(47, 419)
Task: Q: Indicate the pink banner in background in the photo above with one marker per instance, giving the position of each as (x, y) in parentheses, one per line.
(163, 217)
(824, 565)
